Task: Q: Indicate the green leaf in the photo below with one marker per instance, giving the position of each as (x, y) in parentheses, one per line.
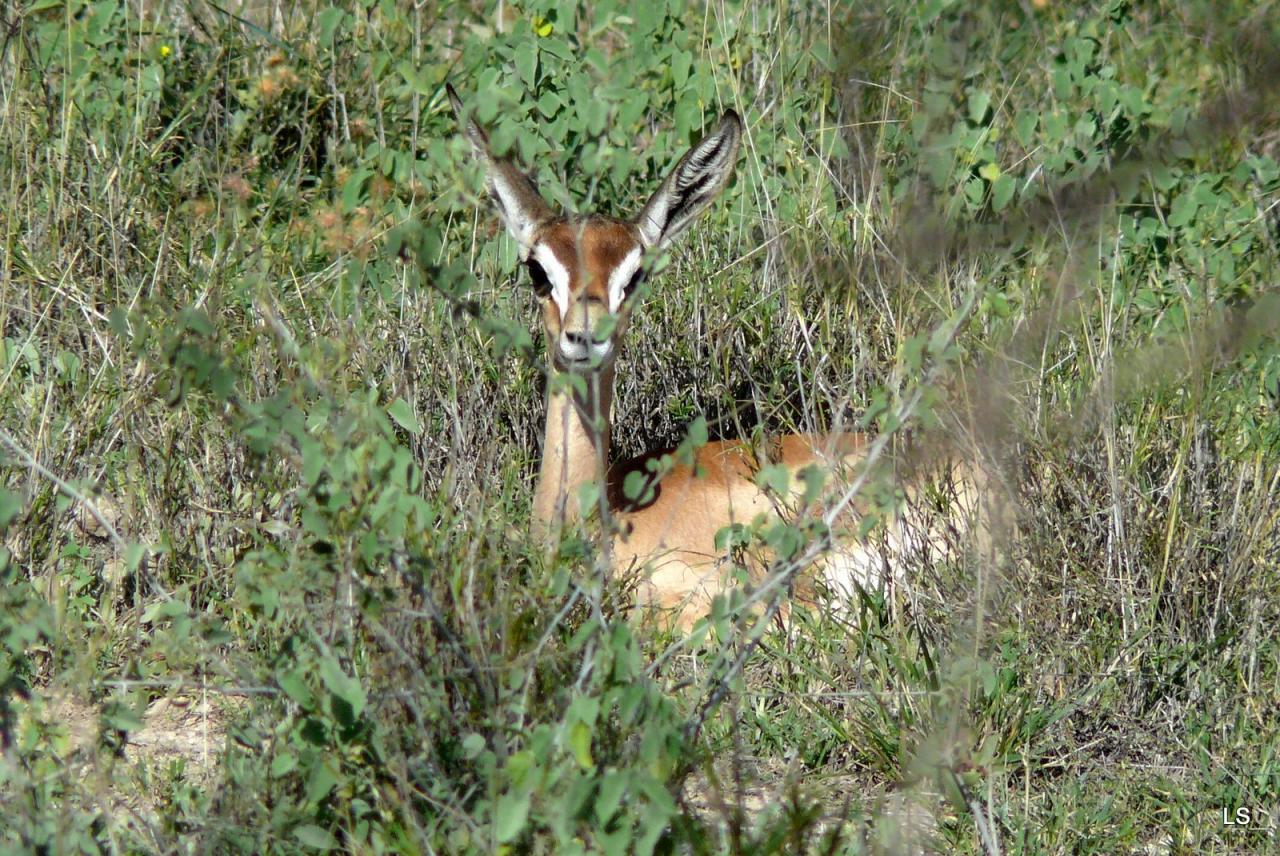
(635, 487)
(974, 190)
(509, 816)
(1062, 84)
(979, 102)
(295, 687)
(1002, 192)
(612, 788)
(1024, 127)
(402, 413)
(681, 62)
(353, 190)
(647, 15)
(197, 321)
(1183, 210)
(913, 353)
(313, 461)
(134, 553)
(151, 80)
(996, 303)
(775, 478)
(283, 764)
(327, 25)
(321, 782)
(164, 609)
(519, 765)
(814, 478)
(584, 708)
(698, 431)
(588, 495)
(730, 536)
(558, 48)
(10, 507)
(314, 522)
(67, 364)
(418, 82)
(580, 744)
(315, 837)
(596, 115)
(119, 715)
(688, 116)
(615, 843)
(472, 746)
(784, 539)
(549, 104)
(342, 685)
(653, 825)
(526, 59)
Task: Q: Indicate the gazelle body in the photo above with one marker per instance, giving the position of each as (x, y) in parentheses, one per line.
(584, 270)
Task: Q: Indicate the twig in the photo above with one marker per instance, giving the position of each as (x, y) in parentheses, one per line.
(986, 828)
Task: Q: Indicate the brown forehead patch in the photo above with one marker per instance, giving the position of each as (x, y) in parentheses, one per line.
(592, 247)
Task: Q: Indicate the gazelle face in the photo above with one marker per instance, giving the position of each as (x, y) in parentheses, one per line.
(584, 269)
(583, 272)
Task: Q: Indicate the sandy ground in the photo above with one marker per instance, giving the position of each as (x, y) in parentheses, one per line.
(191, 728)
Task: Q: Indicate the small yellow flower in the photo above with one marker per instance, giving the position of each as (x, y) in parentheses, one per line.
(165, 50)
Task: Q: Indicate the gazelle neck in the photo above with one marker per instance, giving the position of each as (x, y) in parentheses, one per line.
(575, 449)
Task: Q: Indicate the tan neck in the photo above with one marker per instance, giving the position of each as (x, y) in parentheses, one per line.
(575, 451)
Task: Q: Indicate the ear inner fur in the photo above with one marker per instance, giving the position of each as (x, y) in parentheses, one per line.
(514, 193)
(696, 180)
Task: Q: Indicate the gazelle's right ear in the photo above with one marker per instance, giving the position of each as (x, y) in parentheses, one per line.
(516, 196)
(692, 185)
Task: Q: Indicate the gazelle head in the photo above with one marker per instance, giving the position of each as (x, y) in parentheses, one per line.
(585, 267)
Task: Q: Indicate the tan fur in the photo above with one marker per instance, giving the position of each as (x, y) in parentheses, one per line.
(673, 532)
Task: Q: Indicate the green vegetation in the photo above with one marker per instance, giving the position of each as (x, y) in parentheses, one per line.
(270, 406)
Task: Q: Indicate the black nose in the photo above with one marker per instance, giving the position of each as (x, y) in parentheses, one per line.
(576, 339)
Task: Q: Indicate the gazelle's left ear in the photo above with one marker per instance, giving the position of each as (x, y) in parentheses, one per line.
(516, 196)
(692, 185)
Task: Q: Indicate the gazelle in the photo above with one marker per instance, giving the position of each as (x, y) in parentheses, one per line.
(584, 270)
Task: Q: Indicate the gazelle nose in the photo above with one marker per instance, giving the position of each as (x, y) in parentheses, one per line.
(578, 347)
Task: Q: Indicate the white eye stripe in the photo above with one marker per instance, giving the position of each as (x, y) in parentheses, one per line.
(621, 276)
(557, 273)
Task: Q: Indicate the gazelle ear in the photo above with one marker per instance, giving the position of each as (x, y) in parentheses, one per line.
(698, 177)
(516, 196)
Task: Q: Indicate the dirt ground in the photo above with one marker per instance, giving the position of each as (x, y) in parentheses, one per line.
(186, 728)
(191, 728)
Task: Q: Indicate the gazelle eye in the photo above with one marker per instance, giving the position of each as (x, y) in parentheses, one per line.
(538, 277)
(636, 279)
